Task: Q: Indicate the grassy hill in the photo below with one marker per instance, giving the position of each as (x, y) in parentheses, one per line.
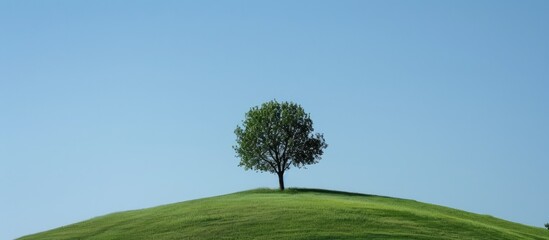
(295, 214)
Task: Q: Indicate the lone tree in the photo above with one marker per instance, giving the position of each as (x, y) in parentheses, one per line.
(547, 226)
(275, 136)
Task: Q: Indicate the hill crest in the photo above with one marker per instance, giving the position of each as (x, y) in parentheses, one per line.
(297, 213)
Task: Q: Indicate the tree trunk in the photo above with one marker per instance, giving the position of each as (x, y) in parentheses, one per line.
(281, 180)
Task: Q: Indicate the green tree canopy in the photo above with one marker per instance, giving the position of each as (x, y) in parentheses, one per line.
(275, 136)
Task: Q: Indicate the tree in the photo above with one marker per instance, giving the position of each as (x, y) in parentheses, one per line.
(547, 226)
(275, 136)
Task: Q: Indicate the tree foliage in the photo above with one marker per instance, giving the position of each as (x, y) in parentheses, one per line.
(275, 137)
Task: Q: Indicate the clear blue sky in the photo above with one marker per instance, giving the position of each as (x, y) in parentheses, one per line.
(116, 105)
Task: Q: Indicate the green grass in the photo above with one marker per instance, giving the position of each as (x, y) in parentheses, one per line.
(295, 214)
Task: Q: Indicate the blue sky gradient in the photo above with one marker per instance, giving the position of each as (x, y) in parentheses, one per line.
(116, 105)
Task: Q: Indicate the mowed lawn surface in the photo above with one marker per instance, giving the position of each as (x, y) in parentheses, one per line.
(295, 214)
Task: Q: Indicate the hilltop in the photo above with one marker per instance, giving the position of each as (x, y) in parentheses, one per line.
(295, 214)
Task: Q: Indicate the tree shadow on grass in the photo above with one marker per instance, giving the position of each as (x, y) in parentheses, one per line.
(315, 190)
(335, 192)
